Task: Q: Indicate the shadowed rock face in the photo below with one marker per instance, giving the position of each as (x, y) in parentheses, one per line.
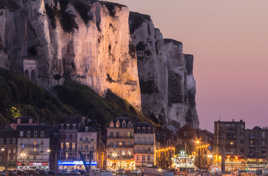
(165, 73)
(80, 40)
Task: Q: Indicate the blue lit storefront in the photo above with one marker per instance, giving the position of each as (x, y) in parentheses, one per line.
(75, 165)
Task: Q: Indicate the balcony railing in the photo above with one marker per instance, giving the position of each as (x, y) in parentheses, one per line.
(121, 146)
(144, 151)
(144, 143)
(127, 157)
(120, 137)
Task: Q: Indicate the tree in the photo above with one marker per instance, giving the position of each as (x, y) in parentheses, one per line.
(15, 112)
(202, 161)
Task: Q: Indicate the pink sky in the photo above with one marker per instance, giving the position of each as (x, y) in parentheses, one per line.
(229, 39)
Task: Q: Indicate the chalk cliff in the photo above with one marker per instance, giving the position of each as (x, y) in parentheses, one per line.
(165, 73)
(104, 46)
(79, 40)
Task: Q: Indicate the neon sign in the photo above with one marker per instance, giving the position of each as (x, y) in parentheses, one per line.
(73, 163)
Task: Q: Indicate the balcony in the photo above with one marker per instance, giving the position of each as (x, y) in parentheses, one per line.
(127, 157)
(120, 137)
(143, 152)
(121, 146)
(144, 143)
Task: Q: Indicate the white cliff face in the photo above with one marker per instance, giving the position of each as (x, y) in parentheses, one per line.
(152, 66)
(97, 52)
(167, 83)
(101, 45)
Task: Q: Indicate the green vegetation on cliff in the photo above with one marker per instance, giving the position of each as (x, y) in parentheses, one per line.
(61, 103)
(29, 99)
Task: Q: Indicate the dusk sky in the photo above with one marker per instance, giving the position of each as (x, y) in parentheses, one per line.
(229, 39)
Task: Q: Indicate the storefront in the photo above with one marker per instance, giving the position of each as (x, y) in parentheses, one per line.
(114, 165)
(32, 166)
(75, 165)
(183, 162)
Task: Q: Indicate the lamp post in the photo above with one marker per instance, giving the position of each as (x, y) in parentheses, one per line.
(23, 156)
(4, 156)
(198, 142)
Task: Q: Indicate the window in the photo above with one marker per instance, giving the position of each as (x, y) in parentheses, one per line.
(35, 133)
(128, 134)
(66, 155)
(148, 158)
(28, 133)
(42, 134)
(143, 158)
(117, 124)
(117, 134)
(21, 133)
(67, 144)
(73, 146)
(124, 124)
(111, 134)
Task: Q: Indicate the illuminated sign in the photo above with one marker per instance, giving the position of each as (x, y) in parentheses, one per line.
(73, 163)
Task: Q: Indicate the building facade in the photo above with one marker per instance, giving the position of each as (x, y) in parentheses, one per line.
(257, 143)
(144, 145)
(33, 148)
(87, 145)
(120, 145)
(8, 149)
(67, 151)
(77, 146)
(230, 137)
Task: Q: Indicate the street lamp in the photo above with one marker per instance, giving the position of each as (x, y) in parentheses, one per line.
(3, 149)
(210, 156)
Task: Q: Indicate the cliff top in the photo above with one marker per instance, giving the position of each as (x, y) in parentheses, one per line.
(136, 20)
(173, 41)
(111, 6)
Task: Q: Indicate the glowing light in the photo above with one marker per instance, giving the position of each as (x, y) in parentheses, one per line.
(114, 154)
(3, 149)
(160, 170)
(210, 156)
(23, 155)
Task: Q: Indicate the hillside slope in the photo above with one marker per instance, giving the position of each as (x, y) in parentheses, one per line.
(69, 100)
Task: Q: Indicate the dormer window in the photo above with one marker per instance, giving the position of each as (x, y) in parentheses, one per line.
(111, 124)
(129, 125)
(117, 124)
(124, 124)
